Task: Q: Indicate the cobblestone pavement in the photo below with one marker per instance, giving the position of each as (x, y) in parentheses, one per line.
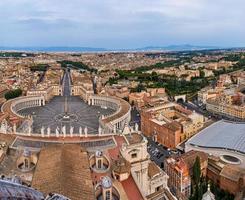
(81, 114)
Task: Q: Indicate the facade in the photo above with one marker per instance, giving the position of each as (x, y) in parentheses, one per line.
(230, 103)
(48, 94)
(208, 93)
(179, 177)
(149, 178)
(226, 109)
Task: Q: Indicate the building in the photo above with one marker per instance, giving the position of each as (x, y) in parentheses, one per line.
(179, 178)
(48, 93)
(208, 73)
(123, 170)
(82, 85)
(208, 93)
(223, 139)
(149, 178)
(149, 97)
(170, 123)
(117, 90)
(230, 103)
(228, 177)
(179, 170)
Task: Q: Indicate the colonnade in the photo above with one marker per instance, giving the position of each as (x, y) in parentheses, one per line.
(115, 122)
(27, 102)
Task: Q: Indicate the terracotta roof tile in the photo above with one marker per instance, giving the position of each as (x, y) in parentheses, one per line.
(64, 169)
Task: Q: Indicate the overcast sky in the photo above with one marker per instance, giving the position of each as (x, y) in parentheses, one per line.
(122, 23)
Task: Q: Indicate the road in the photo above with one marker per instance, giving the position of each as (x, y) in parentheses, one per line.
(135, 117)
(66, 84)
(158, 152)
(194, 107)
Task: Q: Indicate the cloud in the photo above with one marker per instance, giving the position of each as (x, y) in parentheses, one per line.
(114, 23)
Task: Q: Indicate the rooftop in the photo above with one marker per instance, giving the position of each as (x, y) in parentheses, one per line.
(64, 169)
(222, 134)
(134, 138)
(232, 172)
(11, 190)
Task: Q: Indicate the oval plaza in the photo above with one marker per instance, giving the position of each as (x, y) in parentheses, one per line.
(67, 111)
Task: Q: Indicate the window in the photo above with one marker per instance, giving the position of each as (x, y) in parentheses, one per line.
(108, 195)
(158, 188)
(99, 164)
(134, 155)
(26, 163)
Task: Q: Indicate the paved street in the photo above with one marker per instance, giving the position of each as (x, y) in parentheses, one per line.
(158, 152)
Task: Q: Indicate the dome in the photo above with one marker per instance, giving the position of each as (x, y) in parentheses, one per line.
(106, 182)
(208, 195)
(98, 153)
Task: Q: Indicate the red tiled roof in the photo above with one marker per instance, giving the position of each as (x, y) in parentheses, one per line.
(131, 189)
(116, 151)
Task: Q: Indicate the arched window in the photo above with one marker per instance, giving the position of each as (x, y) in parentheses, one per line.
(108, 195)
(26, 163)
(99, 164)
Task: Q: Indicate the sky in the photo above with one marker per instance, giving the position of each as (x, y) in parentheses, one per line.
(122, 23)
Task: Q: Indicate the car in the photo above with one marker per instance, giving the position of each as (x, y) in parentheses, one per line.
(159, 155)
(175, 152)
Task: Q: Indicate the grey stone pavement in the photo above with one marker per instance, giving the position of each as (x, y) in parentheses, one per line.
(80, 113)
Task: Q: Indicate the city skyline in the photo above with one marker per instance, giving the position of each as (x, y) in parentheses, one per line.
(122, 25)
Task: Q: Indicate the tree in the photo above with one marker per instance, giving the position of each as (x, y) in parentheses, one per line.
(13, 94)
(202, 74)
(154, 76)
(197, 171)
(140, 87)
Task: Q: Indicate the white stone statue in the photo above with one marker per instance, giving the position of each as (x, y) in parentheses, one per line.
(80, 131)
(29, 130)
(48, 131)
(14, 128)
(64, 131)
(71, 131)
(42, 131)
(4, 126)
(115, 129)
(100, 130)
(86, 131)
(57, 132)
(136, 127)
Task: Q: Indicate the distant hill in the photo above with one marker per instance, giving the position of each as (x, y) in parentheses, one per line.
(53, 49)
(185, 47)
